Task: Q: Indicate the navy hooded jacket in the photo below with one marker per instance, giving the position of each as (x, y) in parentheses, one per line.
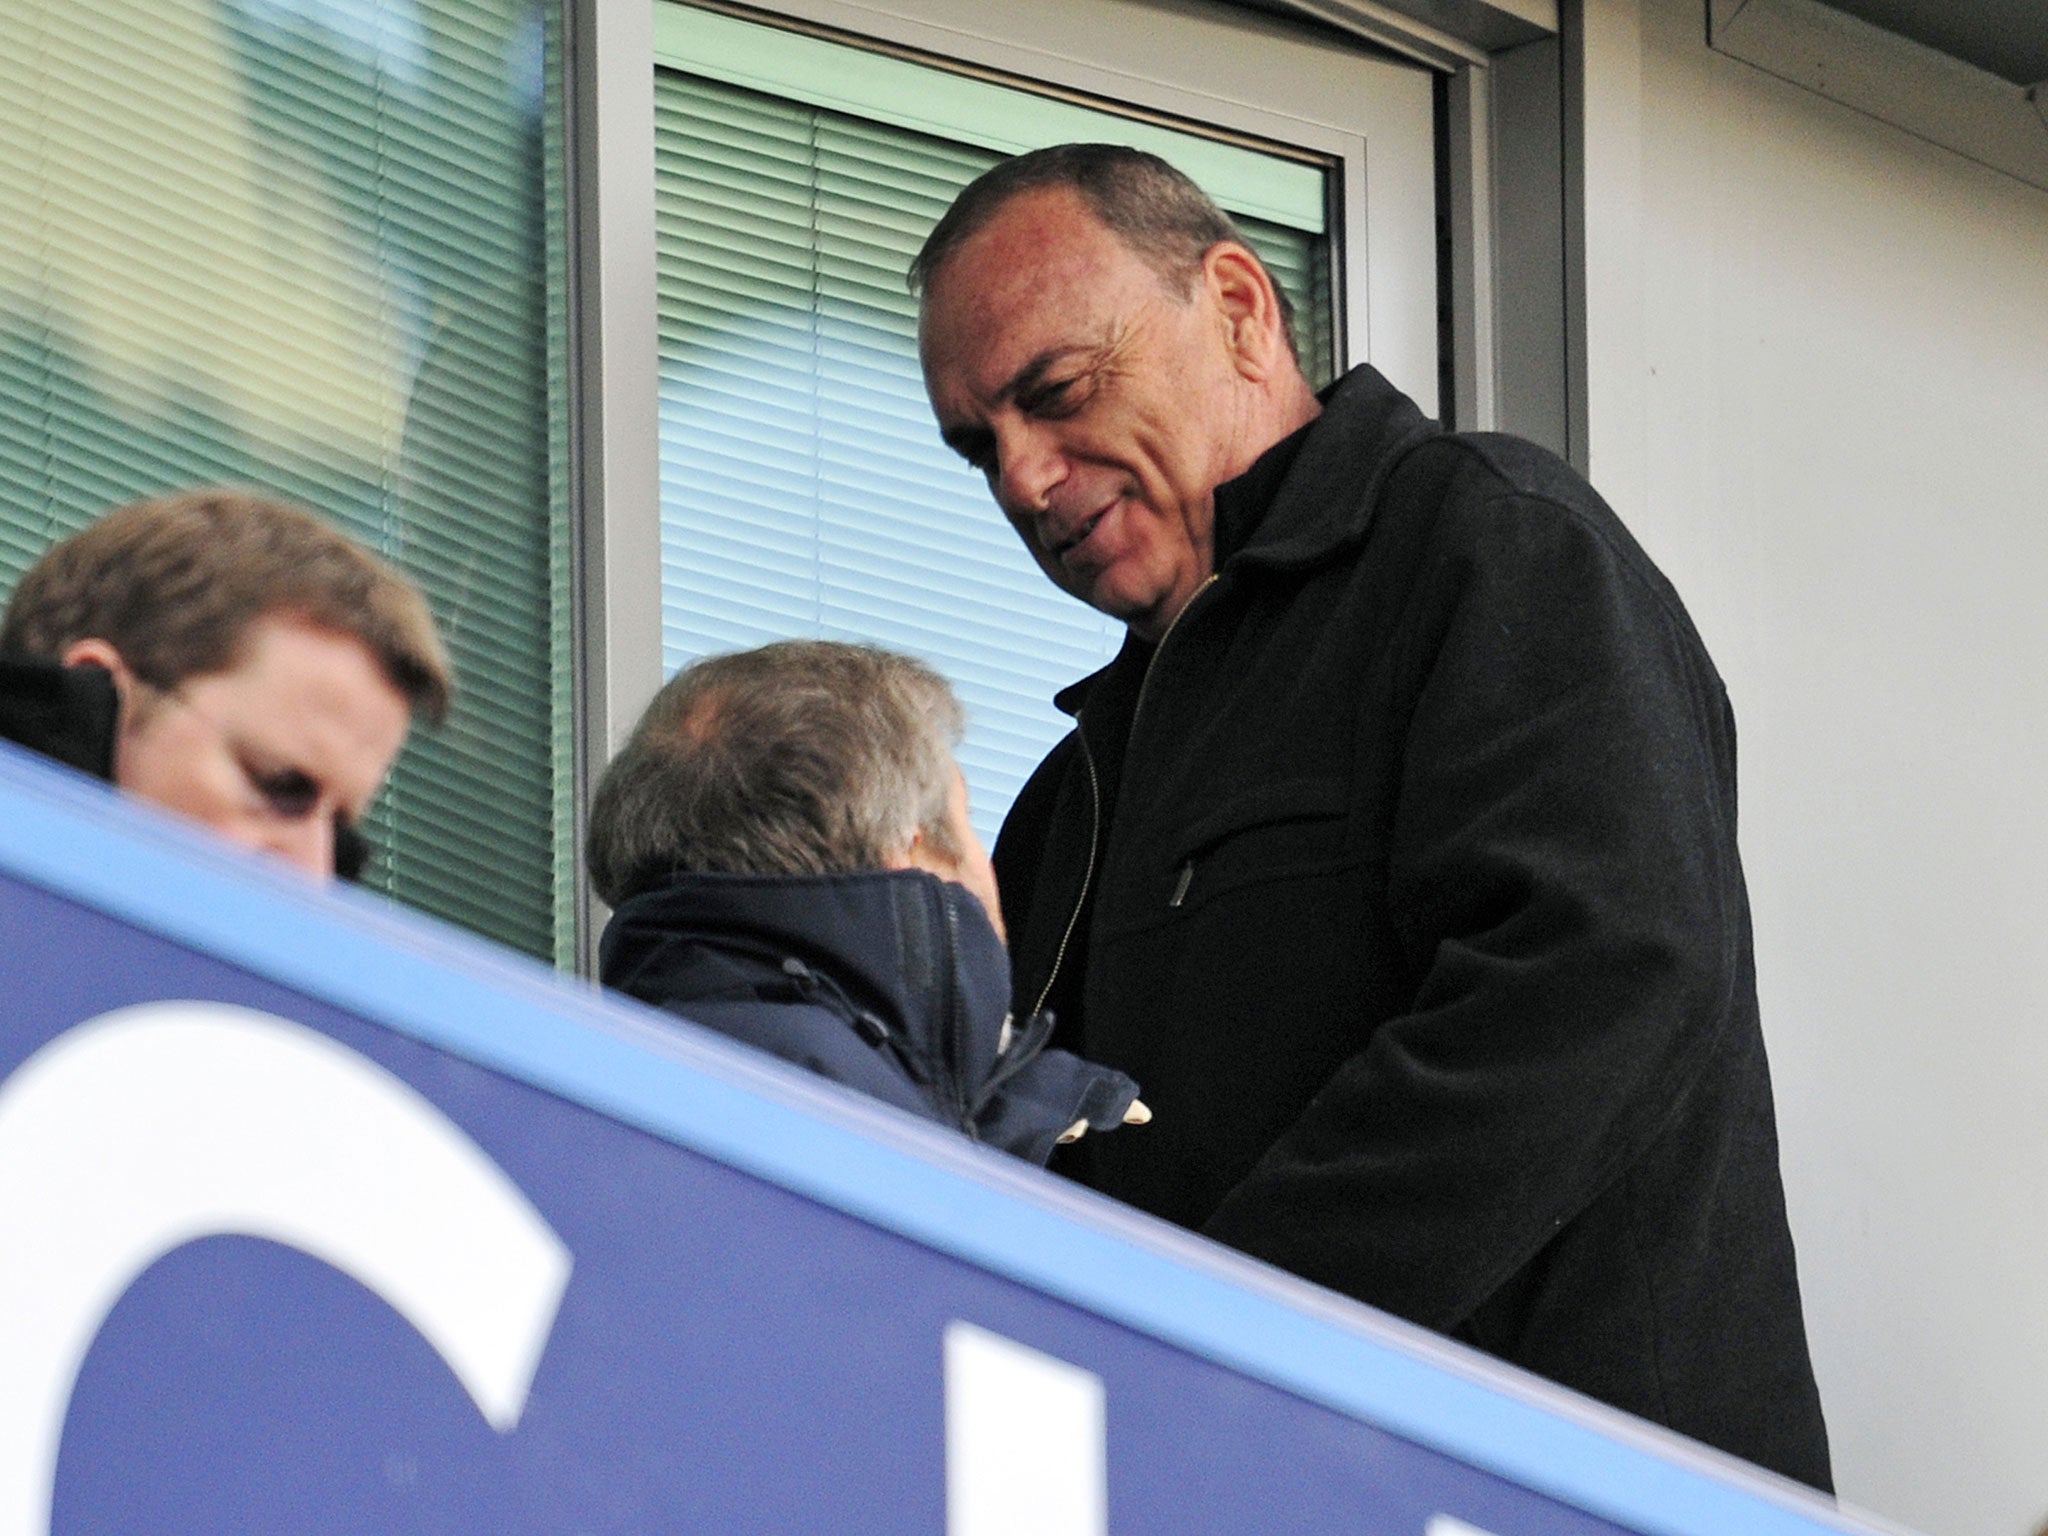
(891, 982)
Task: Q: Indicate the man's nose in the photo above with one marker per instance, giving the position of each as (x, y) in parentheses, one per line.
(1028, 466)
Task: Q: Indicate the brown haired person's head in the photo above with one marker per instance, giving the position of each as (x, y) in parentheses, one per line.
(267, 668)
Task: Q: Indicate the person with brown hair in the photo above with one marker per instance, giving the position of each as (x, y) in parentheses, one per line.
(229, 657)
(787, 844)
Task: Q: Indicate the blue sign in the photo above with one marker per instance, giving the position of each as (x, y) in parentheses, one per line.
(318, 1217)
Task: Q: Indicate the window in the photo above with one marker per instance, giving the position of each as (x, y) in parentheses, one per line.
(323, 247)
(299, 244)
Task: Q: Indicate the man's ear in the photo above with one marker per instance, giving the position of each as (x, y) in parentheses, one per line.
(97, 653)
(1243, 293)
(924, 852)
(104, 654)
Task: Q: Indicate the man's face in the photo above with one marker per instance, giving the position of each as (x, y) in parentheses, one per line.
(272, 752)
(1103, 407)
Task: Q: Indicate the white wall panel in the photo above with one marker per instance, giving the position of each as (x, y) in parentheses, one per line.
(1838, 338)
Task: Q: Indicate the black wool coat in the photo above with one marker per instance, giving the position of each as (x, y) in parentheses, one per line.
(893, 983)
(1403, 873)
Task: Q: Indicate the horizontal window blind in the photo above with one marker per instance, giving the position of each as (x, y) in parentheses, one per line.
(804, 488)
(299, 246)
(961, 108)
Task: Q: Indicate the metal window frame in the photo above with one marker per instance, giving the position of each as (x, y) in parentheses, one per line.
(615, 431)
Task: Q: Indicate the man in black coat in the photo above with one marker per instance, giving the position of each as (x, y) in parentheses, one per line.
(1395, 852)
(786, 842)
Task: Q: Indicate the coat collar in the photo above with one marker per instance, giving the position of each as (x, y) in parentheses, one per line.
(71, 714)
(905, 945)
(1334, 469)
(1326, 499)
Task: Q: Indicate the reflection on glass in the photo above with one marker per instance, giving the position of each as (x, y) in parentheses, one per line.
(297, 243)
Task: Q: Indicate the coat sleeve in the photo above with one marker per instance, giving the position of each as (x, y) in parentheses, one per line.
(1562, 878)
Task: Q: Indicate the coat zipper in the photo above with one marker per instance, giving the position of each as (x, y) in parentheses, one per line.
(1087, 875)
(1095, 798)
(1145, 687)
(1187, 871)
(956, 1016)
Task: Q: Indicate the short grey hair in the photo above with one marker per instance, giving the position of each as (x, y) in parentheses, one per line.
(1159, 214)
(805, 757)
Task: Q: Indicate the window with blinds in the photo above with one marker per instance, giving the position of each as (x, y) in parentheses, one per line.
(299, 245)
(804, 488)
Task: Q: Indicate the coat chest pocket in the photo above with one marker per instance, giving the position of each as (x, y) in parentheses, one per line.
(1273, 832)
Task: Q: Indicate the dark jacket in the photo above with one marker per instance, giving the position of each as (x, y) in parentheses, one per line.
(66, 713)
(893, 983)
(1415, 904)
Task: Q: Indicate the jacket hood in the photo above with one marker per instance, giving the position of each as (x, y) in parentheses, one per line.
(893, 982)
(914, 952)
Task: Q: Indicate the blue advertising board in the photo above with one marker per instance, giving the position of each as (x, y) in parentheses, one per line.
(316, 1216)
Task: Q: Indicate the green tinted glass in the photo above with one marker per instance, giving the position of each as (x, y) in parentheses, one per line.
(301, 247)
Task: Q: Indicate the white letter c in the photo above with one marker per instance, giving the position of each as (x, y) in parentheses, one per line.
(152, 1126)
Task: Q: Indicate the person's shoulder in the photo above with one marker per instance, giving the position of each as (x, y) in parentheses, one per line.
(1485, 468)
(818, 1038)
(1436, 484)
(1494, 502)
(1493, 488)
(1029, 820)
(1055, 763)
(68, 714)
